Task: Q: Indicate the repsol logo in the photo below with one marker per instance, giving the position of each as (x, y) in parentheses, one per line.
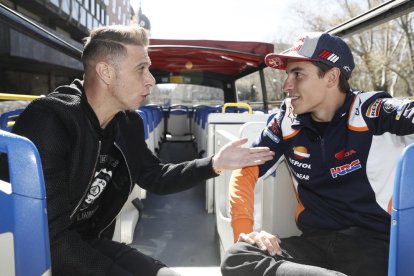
(299, 164)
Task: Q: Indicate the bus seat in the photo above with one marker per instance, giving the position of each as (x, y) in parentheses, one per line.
(8, 118)
(158, 113)
(128, 218)
(145, 121)
(24, 234)
(223, 125)
(179, 124)
(275, 201)
(250, 130)
(153, 121)
(402, 217)
(203, 133)
(150, 123)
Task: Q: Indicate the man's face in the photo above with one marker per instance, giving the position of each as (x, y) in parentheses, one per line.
(307, 91)
(133, 78)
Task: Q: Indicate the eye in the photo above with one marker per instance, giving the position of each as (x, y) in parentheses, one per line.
(297, 74)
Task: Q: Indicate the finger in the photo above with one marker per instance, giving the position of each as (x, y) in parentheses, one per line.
(259, 149)
(239, 142)
(276, 250)
(261, 154)
(245, 238)
(271, 247)
(261, 244)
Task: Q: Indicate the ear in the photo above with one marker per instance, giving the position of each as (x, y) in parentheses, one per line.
(104, 72)
(333, 77)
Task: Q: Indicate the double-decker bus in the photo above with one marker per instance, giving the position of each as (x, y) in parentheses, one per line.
(207, 93)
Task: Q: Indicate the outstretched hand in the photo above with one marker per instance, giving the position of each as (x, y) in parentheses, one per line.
(234, 156)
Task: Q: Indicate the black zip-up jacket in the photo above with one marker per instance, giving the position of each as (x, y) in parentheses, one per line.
(65, 130)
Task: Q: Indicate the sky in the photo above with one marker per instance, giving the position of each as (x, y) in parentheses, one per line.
(245, 20)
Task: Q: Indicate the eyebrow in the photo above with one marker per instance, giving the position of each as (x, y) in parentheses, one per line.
(144, 63)
(295, 69)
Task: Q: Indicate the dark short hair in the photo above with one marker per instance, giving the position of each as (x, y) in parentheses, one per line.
(107, 43)
(343, 81)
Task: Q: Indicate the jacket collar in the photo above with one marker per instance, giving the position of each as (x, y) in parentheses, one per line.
(305, 119)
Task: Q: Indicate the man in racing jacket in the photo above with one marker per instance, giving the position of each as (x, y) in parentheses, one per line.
(91, 143)
(341, 147)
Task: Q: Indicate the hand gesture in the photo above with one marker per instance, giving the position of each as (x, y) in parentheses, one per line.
(234, 156)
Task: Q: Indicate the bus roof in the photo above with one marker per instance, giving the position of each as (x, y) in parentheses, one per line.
(212, 60)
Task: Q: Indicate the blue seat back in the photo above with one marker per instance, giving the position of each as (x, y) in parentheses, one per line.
(144, 117)
(8, 117)
(24, 235)
(150, 117)
(401, 258)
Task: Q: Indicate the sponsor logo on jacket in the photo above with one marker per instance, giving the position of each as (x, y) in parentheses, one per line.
(300, 152)
(299, 164)
(409, 113)
(374, 109)
(301, 176)
(271, 135)
(345, 169)
(389, 105)
(343, 154)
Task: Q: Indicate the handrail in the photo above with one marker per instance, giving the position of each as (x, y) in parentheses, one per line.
(223, 110)
(373, 17)
(18, 97)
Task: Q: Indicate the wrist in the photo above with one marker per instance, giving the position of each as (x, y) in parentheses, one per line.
(217, 170)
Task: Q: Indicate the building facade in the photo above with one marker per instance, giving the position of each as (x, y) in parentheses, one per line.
(32, 66)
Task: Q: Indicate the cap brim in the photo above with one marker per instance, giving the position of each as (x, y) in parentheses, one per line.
(279, 61)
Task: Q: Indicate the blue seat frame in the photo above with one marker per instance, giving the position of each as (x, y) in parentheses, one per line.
(401, 258)
(7, 117)
(23, 207)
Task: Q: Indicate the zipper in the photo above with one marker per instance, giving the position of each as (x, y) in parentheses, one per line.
(323, 150)
(90, 183)
(130, 189)
(126, 164)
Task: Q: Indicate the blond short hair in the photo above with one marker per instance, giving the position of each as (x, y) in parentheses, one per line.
(107, 43)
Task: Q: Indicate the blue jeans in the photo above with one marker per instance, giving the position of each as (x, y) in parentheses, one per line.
(354, 251)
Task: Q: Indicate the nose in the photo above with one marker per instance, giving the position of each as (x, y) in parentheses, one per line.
(149, 79)
(287, 85)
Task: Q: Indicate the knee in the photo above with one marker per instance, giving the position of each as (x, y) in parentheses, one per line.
(241, 248)
(239, 258)
(166, 271)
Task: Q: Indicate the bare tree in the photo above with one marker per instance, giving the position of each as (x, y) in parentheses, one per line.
(384, 55)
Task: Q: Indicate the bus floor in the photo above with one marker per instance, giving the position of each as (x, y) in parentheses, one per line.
(176, 228)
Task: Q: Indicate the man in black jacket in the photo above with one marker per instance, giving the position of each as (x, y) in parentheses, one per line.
(92, 147)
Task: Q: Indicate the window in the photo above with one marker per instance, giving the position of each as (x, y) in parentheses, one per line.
(75, 11)
(82, 17)
(93, 7)
(65, 6)
(187, 94)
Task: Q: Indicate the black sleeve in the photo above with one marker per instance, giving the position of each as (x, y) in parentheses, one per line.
(392, 115)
